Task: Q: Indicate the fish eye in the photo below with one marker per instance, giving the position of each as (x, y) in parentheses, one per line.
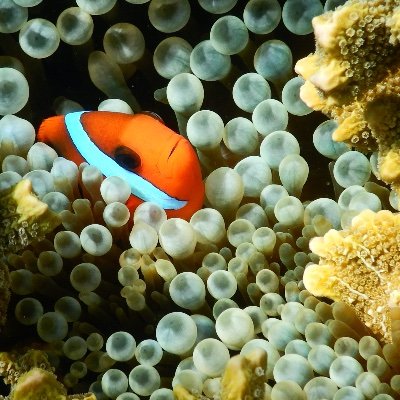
(154, 115)
(127, 158)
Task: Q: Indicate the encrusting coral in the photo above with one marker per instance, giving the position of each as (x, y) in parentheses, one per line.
(14, 364)
(4, 292)
(38, 383)
(353, 77)
(31, 377)
(23, 217)
(360, 266)
(41, 384)
(244, 378)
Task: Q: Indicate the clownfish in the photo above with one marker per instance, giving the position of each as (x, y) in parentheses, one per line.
(160, 165)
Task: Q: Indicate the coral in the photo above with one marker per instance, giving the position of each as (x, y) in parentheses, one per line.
(82, 396)
(14, 364)
(38, 383)
(31, 377)
(24, 217)
(4, 292)
(359, 266)
(353, 77)
(244, 378)
(183, 394)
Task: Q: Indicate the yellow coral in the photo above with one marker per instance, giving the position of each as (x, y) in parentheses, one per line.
(361, 267)
(181, 393)
(354, 77)
(244, 378)
(83, 396)
(23, 217)
(4, 292)
(38, 384)
(31, 377)
(14, 364)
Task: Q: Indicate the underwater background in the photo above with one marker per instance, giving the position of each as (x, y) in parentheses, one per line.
(115, 317)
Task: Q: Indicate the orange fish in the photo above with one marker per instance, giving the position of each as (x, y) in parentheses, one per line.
(159, 165)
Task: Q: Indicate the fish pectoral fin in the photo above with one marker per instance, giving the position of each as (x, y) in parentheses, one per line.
(172, 150)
